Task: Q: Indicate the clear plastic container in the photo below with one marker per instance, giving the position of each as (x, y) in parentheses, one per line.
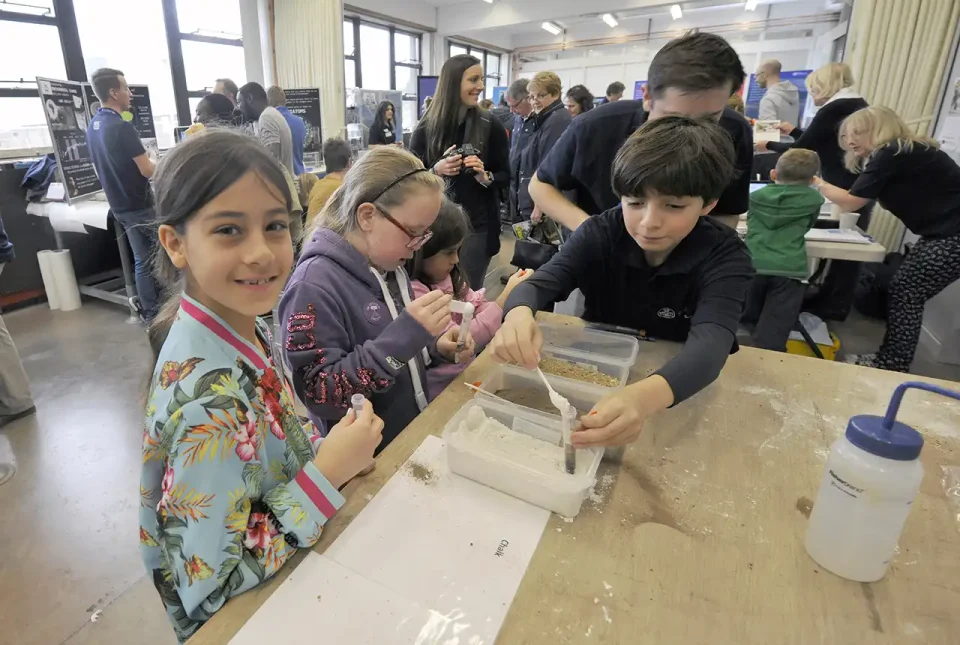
(561, 493)
(582, 396)
(606, 352)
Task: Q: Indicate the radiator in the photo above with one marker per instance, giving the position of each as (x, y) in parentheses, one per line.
(886, 229)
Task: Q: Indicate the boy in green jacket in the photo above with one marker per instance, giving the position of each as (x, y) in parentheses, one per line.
(779, 217)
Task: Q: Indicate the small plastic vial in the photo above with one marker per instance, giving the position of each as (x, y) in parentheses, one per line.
(357, 401)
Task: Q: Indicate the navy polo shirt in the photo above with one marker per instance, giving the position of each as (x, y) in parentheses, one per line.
(113, 144)
(582, 159)
(703, 280)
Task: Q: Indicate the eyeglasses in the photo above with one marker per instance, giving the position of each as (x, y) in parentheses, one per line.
(416, 241)
(539, 96)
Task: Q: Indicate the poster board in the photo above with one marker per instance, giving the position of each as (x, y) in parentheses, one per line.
(498, 93)
(426, 87)
(67, 117)
(305, 103)
(755, 92)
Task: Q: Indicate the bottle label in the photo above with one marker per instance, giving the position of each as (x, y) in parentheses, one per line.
(844, 486)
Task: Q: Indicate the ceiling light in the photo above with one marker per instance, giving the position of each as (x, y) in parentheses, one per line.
(610, 20)
(552, 27)
(676, 12)
(751, 5)
(488, 1)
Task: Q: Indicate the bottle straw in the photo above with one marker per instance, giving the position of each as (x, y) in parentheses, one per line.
(891, 416)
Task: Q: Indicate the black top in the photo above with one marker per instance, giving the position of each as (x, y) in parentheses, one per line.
(480, 202)
(549, 125)
(6, 246)
(703, 282)
(582, 159)
(921, 186)
(114, 144)
(823, 137)
(382, 137)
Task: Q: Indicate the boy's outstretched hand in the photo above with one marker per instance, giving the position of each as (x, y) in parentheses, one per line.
(519, 339)
(618, 418)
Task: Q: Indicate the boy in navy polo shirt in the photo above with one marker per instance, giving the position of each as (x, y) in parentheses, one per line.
(694, 76)
(653, 263)
(124, 169)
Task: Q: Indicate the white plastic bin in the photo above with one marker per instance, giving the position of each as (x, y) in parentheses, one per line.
(609, 353)
(561, 493)
(582, 396)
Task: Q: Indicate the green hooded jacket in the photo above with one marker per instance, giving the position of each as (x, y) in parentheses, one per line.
(780, 215)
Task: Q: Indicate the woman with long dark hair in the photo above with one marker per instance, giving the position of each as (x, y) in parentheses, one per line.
(383, 132)
(578, 100)
(460, 142)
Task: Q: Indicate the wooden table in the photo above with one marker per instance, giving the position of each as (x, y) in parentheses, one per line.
(695, 533)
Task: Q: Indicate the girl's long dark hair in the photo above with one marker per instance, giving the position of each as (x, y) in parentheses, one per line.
(450, 229)
(188, 177)
(443, 118)
(582, 96)
(380, 120)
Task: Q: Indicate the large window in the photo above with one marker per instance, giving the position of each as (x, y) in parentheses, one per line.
(379, 57)
(491, 62)
(176, 47)
(110, 43)
(30, 46)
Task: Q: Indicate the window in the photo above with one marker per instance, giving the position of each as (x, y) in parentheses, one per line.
(110, 43)
(211, 47)
(381, 57)
(375, 61)
(491, 62)
(32, 43)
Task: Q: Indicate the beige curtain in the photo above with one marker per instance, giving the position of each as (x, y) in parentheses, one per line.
(898, 51)
(308, 40)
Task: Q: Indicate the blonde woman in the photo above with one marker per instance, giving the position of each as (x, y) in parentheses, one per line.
(551, 121)
(920, 184)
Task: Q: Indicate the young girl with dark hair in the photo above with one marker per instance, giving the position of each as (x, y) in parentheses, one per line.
(436, 266)
(383, 132)
(232, 484)
(474, 179)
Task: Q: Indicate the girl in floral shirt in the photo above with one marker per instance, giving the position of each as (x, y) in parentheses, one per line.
(232, 482)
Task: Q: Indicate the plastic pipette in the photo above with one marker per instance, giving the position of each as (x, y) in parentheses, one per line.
(465, 309)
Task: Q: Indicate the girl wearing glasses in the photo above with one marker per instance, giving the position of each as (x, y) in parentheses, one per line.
(349, 320)
(437, 266)
(475, 178)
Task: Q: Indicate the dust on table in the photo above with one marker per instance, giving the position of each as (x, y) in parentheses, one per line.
(421, 473)
(536, 399)
(577, 372)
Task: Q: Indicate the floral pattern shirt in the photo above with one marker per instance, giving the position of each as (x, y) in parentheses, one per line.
(227, 490)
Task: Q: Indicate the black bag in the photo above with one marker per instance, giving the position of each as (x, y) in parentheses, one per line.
(536, 244)
(873, 290)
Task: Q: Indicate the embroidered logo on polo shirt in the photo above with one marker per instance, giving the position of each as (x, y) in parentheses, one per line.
(667, 313)
(372, 312)
(394, 363)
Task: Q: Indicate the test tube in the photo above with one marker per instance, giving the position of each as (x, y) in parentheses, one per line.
(465, 309)
(357, 401)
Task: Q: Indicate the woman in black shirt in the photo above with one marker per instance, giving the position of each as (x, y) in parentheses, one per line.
(831, 89)
(383, 132)
(455, 124)
(920, 184)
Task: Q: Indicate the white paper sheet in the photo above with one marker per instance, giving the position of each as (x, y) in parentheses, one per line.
(426, 562)
(71, 219)
(766, 131)
(836, 235)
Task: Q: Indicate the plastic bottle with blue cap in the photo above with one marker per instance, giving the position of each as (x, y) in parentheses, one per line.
(869, 485)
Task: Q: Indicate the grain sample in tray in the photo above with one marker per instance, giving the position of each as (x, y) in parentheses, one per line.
(533, 398)
(577, 372)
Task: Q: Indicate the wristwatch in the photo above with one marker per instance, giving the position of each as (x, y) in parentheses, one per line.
(487, 178)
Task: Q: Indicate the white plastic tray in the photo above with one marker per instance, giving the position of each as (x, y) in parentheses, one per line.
(582, 396)
(611, 354)
(560, 493)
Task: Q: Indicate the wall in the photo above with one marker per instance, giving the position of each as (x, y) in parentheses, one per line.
(411, 11)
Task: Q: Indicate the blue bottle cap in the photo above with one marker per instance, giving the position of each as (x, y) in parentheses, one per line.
(899, 442)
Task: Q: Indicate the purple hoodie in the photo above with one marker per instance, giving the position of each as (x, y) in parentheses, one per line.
(340, 337)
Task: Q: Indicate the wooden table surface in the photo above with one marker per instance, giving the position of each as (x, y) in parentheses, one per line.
(695, 533)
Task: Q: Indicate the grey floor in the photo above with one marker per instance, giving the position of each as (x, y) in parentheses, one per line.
(69, 529)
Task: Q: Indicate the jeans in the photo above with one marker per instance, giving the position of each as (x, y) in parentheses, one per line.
(773, 305)
(15, 394)
(474, 259)
(142, 235)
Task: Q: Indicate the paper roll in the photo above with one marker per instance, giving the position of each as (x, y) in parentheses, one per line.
(68, 293)
(49, 283)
